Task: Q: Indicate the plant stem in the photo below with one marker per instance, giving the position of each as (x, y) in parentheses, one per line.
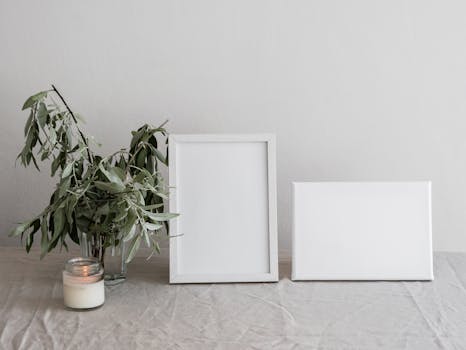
(75, 121)
(102, 255)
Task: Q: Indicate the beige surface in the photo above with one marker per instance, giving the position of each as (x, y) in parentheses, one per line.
(147, 313)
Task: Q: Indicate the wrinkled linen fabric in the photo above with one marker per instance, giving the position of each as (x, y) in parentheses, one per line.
(147, 313)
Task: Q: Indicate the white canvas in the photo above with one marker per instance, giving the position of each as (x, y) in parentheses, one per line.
(362, 231)
(224, 188)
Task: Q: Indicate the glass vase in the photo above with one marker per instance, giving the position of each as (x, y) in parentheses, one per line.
(112, 258)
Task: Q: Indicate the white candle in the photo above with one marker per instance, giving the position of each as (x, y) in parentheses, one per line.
(83, 284)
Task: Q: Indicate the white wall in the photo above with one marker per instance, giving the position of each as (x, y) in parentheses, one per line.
(354, 90)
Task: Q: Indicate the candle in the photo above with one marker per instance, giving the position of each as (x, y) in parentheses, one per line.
(83, 283)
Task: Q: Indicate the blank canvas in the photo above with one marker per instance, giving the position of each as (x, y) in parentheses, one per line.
(223, 187)
(362, 231)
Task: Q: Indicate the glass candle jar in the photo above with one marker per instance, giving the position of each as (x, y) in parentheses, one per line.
(83, 283)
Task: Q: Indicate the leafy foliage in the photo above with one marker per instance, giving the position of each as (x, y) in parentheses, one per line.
(112, 199)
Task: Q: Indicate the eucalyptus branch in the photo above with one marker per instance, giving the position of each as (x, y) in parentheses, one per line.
(75, 121)
(114, 199)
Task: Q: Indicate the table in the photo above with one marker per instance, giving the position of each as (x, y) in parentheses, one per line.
(147, 313)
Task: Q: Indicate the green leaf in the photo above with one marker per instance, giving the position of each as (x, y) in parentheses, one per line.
(129, 236)
(63, 187)
(35, 162)
(55, 164)
(70, 205)
(122, 163)
(144, 176)
(108, 186)
(28, 123)
(33, 99)
(160, 194)
(29, 242)
(28, 157)
(20, 229)
(67, 171)
(52, 136)
(141, 158)
(35, 133)
(150, 164)
(74, 234)
(152, 227)
(130, 223)
(112, 177)
(160, 157)
(69, 138)
(134, 248)
(146, 238)
(58, 221)
(119, 172)
(42, 114)
(153, 140)
(160, 216)
(30, 237)
(44, 155)
(30, 139)
(140, 177)
(44, 242)
(140, 198)
(158, 154)
(136, 137)
(153, 206)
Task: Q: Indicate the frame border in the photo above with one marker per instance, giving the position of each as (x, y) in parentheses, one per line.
(272, 275)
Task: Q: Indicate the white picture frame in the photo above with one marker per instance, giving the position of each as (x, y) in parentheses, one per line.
(362, 231)
(224, 188)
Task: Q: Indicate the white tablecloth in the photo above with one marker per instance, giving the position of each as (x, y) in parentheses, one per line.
(148, 313)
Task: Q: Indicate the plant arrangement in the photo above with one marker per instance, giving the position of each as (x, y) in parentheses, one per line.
(113, 199)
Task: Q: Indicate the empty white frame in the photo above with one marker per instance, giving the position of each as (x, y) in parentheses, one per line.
(224, 187)
(362, 231)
